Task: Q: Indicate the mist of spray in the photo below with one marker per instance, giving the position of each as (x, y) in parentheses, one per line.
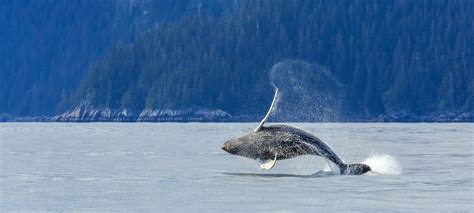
(383, 164)
(308, 92)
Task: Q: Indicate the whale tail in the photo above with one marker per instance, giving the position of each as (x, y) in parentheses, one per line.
(354, 169)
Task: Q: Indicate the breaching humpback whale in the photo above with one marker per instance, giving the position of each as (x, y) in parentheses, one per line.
(267, 144)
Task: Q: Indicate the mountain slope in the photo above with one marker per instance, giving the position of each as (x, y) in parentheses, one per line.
(46, 47)
(396, 59)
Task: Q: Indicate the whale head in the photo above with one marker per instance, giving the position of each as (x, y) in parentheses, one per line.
(232, 146)
(242, 146)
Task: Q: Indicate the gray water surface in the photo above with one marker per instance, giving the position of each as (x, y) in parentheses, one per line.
(180, 168)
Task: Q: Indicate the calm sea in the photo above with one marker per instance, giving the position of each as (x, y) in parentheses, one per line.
(179, 167)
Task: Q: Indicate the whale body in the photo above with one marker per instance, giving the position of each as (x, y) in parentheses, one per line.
(266, 145)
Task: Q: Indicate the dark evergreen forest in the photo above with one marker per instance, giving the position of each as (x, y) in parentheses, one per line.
(46, 47)
(397, 59)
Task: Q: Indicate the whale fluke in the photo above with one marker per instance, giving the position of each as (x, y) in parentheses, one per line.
(259, 127)
(355, 169)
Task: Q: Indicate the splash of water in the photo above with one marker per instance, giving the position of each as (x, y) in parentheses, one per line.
(309, 92)
(383, 164)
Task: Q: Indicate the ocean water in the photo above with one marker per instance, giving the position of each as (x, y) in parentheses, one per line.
(179, 167)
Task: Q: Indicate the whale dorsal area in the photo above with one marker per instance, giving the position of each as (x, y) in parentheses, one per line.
(267, 164)
(260, 125)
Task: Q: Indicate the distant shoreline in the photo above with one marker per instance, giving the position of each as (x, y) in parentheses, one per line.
(54, 119)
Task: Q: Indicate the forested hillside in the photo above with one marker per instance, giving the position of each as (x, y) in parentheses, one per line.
(212, 60)
(47, 46)
(396, 59)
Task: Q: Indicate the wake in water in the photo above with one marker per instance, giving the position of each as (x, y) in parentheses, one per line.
(380, 164)
(317, 174)
(383, 164)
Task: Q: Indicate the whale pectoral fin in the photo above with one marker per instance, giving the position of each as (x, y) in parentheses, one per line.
(267, 164)
(260, 125)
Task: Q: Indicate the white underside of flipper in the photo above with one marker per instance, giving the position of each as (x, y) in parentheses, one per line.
(268, 164)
